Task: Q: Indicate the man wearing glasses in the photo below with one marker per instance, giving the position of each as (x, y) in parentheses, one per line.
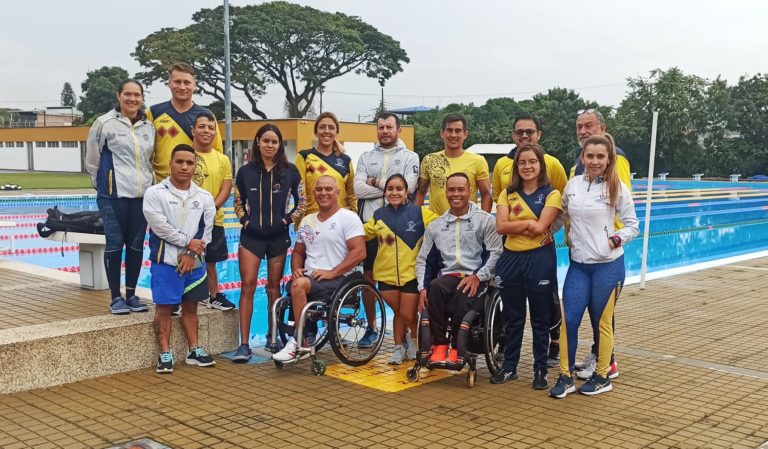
(526, 129)
(590, 122)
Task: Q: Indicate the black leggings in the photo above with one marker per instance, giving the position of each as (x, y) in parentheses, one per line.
(124, 226)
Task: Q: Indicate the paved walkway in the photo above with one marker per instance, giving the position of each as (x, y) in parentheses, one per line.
(694, 373)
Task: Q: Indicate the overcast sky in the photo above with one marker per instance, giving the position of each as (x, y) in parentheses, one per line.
(460, 51)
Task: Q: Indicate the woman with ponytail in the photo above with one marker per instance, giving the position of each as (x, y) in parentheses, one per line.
(591, 202)
(327, 158)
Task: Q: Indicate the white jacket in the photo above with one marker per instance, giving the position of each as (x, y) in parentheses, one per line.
(174, 221)
(382, 163)
(591, 219)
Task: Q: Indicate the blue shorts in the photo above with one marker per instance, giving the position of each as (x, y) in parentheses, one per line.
(169, 287)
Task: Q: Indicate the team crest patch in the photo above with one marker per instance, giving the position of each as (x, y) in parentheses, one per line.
(517, 210)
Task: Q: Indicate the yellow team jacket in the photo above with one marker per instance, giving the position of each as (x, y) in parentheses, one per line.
(312, 164)
(399, 232)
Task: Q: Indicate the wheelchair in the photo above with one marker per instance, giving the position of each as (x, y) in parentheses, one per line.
(339, 319)
(484, 336)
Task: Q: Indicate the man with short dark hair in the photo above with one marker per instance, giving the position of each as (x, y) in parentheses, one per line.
(213, 173)
(329, 245)
(436, 167)
(180, 216)
(469, 258)
(389, 156)
(173, 119)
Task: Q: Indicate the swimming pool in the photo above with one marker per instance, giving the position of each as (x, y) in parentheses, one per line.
(691, 222)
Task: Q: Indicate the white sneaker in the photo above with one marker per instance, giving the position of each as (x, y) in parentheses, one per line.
(289, 352)
(413, 349)
(589, 368)
(590, 358)
(398, 355)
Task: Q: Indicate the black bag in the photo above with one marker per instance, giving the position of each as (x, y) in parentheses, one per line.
(88, 222)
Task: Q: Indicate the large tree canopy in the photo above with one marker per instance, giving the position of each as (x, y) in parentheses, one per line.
(297, 47)
(100, 91)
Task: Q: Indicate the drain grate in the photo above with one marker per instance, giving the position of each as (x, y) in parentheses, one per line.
(143, 443)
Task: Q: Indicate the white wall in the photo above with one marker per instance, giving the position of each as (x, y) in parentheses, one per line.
(355, 149)
(14, 159)
(57, 159)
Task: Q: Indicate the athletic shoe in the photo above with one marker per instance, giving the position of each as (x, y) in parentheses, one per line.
(596, 385)
(135, 304)
(119, 307)
(219, 302)
(289, 352)
(413, 350)
(176, 310)
(453, 356)
(198, 356)
(503, 376)
(589, 369)
(273, 347)
(589, 359)
(164, 363)
(613, 370)
(553, 358)
(540, 379)
(563, 386)
(398, 355)
(439, 354)
(370, 337)
(243, 354)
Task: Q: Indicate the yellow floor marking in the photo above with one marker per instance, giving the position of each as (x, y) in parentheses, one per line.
(381, 376)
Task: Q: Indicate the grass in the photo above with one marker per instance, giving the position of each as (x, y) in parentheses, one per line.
(41, 180)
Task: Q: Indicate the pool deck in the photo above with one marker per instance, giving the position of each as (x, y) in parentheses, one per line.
(691, 349)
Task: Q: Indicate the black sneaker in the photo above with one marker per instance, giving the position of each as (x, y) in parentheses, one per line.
(176, 310)
(553, 358)
(219, 302)
(504, 376)
(540, 379)
(243, 354)
(164, 363)
(198, 356)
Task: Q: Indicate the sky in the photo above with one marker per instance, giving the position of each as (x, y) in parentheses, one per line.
(460, 51)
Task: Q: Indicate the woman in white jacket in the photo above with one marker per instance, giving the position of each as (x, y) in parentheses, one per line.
(596, 272)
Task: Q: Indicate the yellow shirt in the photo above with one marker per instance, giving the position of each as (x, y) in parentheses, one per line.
(502, 174)
(173, 128)
(211, 170)
(529, 207)
(312, 164)
(436, 167)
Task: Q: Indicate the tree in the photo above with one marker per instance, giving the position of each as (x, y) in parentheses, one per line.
(680, 100)
(100, 91)
(68, 97)
(749, 118)
(297, 47)
(557, 109)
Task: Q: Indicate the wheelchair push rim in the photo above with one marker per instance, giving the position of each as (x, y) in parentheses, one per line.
(348, 322)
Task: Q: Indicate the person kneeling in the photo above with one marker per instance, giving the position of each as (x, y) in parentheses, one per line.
(469, 258)
(180, 217)
(330, 244)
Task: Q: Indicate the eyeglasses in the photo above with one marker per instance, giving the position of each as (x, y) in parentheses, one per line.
(586, 111)
(525, 132)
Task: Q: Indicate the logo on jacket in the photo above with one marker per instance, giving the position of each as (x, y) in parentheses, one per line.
(276, 188)
(470, 226)
(195, 204)
(410, 226)
(333, 226)
(540, 199)
(339, 162)
(397, 161)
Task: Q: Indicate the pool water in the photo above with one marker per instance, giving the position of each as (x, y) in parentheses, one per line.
(691, 222)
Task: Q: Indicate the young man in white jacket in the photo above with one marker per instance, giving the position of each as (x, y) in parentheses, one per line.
(180, 217)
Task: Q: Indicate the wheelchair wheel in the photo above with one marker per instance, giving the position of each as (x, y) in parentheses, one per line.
(495, 338)
(316, 321)
(348, 321)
